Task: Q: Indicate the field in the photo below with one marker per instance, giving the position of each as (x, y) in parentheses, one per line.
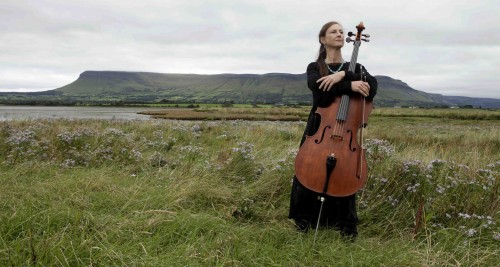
(216, 192)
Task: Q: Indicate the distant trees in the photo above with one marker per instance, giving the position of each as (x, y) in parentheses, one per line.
(227, 104)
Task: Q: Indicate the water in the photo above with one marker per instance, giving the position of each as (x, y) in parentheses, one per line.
(39, 112)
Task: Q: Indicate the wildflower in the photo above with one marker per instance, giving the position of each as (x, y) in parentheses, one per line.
(412, 164)
(440, 189)
(21, 137)
(136, 155)
(245, 150)
(463, 166)
(222, 136)
(437, 225)
(392, 201)
(114, 131)
(158, 134)
(157, 160)
(464, 215)
(191, 149)
(104, 153)
(496, 235)
(180, 128)
(379, 146)
(67, 137)
(196, 128)
(477, 216)
(471, 232)
(489, 221)
(413, 188)
(280, 165)
(436, 163)
(68, 163)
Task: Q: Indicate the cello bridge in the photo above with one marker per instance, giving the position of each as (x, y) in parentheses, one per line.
(337, 137)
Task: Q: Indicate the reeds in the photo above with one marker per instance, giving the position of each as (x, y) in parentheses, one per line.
(167, 192)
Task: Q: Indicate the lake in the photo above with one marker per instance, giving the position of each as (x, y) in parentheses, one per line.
(42, 112)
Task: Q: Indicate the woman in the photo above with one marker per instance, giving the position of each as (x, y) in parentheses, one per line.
(327, 78)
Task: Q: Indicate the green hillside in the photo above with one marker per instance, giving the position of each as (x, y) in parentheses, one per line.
(142, 86)
(114, 87)
(240, 88)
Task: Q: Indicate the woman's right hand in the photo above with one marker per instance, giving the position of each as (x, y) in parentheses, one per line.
(326, 83)
(360, 87)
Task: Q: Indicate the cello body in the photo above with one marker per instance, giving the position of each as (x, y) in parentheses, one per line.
(338, 136)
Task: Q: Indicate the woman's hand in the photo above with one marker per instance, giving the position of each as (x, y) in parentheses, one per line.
(328, 81)
(360, 87)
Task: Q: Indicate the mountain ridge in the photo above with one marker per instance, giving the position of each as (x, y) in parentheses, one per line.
(269, 88)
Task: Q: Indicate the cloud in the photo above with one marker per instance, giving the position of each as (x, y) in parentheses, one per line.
(440, 46)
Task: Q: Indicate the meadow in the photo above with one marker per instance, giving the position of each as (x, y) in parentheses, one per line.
(216, 192)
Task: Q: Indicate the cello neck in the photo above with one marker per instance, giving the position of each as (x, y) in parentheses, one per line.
(357, 43)
(354, 57)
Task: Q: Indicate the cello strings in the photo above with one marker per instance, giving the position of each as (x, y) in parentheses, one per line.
(345, 106)
(344, 102)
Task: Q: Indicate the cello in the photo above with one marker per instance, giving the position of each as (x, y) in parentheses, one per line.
(332, 162)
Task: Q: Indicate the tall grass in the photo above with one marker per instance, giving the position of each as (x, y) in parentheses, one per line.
(162, 193)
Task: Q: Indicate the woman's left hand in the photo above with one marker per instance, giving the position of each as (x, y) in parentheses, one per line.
(361, 87)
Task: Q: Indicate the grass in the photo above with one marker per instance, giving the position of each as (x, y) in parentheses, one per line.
(237, 113)
(443, 113)
(176, 193)
(215, 112)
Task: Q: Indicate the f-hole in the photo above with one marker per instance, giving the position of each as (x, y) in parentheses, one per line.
(359, 135)
(322, 134)
(350, 141)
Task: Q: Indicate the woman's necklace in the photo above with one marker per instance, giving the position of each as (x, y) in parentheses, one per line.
(333, 72)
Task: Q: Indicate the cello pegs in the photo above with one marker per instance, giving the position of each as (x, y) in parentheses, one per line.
(366, 35)
(350, 34)
(348, 39)
(366, 40)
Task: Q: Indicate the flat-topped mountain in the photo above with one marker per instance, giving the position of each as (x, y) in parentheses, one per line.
(271, 88)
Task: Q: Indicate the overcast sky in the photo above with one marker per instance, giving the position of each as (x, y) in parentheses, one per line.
(437, 46)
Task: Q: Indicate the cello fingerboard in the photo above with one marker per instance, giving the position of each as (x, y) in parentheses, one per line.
(343, 108)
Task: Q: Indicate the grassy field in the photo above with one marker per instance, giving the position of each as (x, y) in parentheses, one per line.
(273, 113)
(216, 193)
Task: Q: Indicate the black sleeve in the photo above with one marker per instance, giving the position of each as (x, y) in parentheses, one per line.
(350, 76)
(372, 82)
(324, 98)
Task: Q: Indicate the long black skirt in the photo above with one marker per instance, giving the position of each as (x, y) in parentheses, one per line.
(338, 212)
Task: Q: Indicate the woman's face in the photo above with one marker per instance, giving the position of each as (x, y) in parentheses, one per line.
(334, 36)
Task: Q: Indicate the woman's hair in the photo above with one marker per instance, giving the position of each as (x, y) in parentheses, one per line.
(323, 69)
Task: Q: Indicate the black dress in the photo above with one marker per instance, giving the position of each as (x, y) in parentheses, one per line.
(338, 212)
